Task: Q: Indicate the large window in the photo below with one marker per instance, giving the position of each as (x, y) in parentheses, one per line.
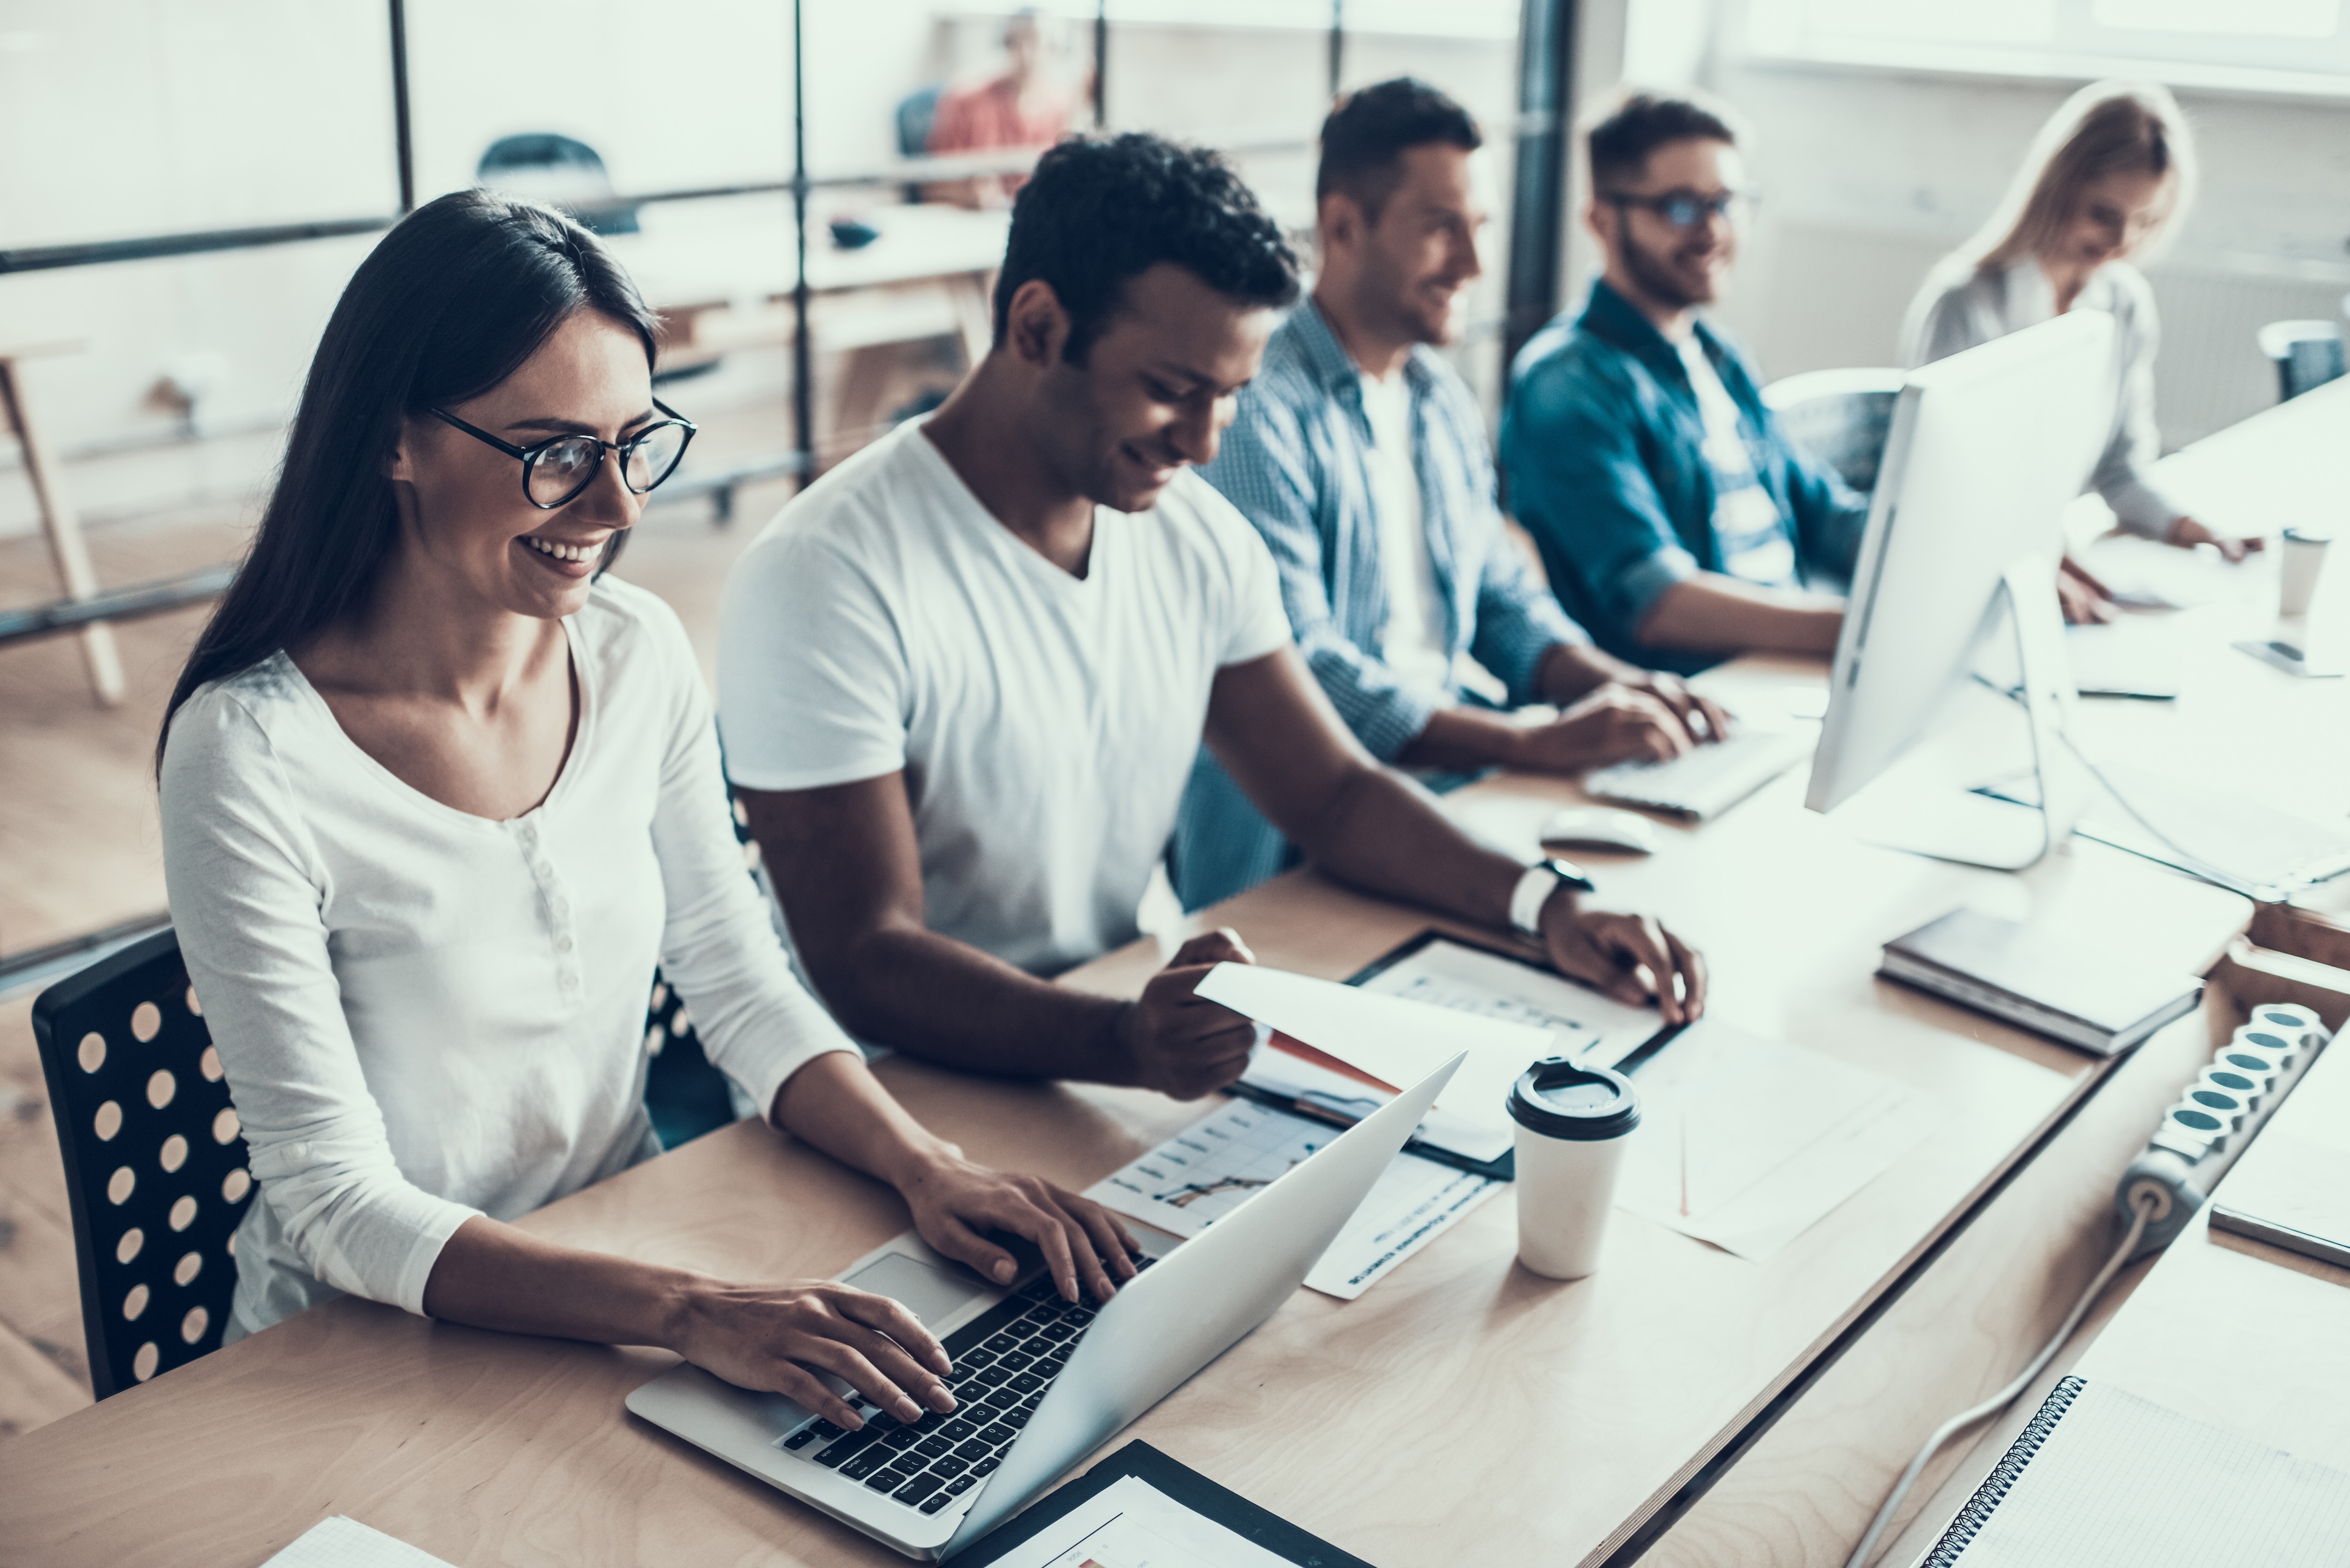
(2296, 45)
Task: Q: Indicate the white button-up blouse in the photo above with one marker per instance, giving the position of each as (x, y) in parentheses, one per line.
(424, 1014)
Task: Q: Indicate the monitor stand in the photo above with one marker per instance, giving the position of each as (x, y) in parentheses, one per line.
(1926, 805)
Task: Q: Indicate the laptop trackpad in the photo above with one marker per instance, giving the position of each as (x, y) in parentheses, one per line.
(930, 1293)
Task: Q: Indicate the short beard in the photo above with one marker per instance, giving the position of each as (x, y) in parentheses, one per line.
(1654, 279)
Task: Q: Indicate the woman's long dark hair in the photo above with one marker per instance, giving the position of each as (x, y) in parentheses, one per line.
(459, 293)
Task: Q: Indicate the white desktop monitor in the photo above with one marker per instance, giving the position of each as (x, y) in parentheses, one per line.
(1987, 449)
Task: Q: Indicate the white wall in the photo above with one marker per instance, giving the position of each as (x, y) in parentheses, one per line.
(1871, 176)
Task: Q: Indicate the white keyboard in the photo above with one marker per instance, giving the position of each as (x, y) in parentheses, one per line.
(1705, 781)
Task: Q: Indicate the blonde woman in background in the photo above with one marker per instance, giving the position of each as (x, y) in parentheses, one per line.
(2107, 179)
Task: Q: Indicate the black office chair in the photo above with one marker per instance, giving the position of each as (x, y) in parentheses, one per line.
(157, 1173)
(917, 112)
(156, 1169)
(561, 171)
(2307, 354)
(685, 1095)
(1840, 417)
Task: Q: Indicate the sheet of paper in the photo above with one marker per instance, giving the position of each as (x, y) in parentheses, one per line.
(1595, 1030)
(1133, 1524)
(1227, 1157)
(342, 1542)
(1395, 1041)
(1414, 1201)
(1748, 1143)
(1290, 1078)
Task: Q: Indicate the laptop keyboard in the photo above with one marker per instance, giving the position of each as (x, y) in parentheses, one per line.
(1003, 1361)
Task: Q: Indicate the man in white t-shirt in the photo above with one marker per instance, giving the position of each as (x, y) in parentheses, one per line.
(961, 680)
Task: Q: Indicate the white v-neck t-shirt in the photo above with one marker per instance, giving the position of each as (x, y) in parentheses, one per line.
(1046, 723)
(1413, 642)
(425, 1014)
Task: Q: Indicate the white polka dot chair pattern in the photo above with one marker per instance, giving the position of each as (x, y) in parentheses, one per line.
(155, 1166)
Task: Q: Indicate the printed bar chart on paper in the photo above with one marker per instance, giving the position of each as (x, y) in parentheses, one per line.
(1593, 1029)
(1211, 1167)
(1219, 1163)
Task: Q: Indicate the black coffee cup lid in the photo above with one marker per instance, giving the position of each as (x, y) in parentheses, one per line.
(1558, 1099)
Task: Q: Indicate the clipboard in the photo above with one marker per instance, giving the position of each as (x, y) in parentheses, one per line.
(1178, 1481)
(1503, 1166)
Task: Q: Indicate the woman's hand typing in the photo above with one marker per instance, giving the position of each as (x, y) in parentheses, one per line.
(956, 1203)
(778, 1338)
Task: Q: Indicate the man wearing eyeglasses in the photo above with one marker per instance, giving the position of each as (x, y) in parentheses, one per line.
(1677, 522)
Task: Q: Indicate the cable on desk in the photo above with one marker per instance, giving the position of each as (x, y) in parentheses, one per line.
(2144, 1208)
(2194, 865)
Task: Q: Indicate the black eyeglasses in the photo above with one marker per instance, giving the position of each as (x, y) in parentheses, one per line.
(1688, 209)
(556, 471)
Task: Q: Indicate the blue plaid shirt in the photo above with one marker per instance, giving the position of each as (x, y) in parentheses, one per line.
(1296, 462)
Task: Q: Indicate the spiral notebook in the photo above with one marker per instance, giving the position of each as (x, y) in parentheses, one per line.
(2103, 1478)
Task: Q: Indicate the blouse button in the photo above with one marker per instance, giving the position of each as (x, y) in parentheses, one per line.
(562, 944)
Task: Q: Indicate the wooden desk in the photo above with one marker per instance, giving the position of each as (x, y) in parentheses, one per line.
(2249, 1337)
(1463, 1402)
(1460, 1408)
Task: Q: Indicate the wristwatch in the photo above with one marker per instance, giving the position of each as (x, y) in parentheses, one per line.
(1543, 879)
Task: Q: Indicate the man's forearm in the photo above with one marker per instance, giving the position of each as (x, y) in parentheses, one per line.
(942, 1000)
(1711, 613)
(1386, 835)
(1572, 670)
(1458, 740)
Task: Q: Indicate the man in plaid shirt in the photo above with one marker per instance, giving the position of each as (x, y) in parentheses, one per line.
(1361, 457)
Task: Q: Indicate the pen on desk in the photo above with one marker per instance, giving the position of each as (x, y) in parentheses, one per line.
(1684, 1165)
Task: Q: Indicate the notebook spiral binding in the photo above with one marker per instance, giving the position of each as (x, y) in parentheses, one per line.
(1996, 1485)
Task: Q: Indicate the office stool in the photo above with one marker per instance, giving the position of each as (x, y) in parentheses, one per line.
(1840, 417)
(2307, 355)
(156, 1168)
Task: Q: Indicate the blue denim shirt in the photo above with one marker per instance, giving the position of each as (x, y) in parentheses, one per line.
(1603, 447)
(1296, 462)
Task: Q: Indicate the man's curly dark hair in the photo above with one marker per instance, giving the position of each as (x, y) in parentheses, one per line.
(1099, 211)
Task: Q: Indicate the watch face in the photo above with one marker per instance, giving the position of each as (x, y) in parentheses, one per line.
(1571, 874)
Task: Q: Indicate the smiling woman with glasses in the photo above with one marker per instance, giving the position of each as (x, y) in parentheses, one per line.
(555, 471)
(439, 795)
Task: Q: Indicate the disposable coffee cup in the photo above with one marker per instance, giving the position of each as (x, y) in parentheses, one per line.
(2300, 562)
(1572, 1125)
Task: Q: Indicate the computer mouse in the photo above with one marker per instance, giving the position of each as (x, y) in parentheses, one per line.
(1598, 827)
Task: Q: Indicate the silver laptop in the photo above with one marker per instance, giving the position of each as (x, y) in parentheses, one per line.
(1038, 1383)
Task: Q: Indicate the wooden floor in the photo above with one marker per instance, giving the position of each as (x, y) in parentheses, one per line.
(78, 846)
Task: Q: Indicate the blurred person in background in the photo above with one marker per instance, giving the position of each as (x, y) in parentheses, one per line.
(2107, 181)
(1027, 104)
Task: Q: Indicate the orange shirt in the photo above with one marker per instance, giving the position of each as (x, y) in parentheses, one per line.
(971, 119)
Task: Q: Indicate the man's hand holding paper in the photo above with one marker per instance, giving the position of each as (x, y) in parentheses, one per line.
(1178, 1042)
